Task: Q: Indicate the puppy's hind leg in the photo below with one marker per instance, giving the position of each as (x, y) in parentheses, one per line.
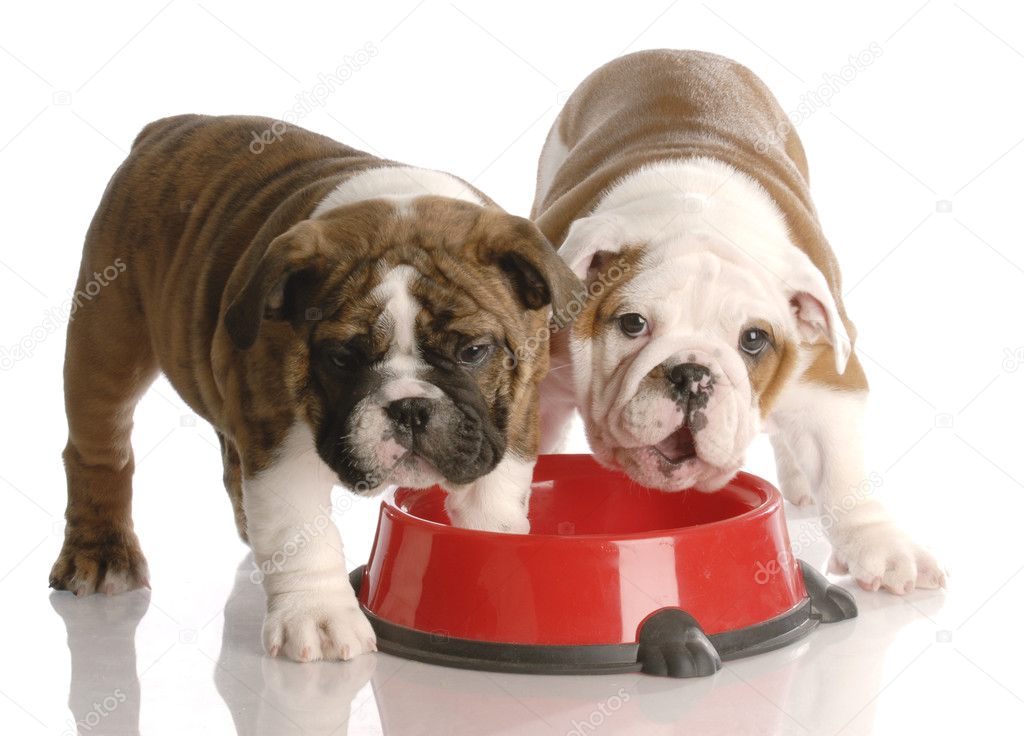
(108, 365)
(821, 424)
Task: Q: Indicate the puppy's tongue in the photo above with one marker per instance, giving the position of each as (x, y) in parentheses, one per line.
(678, 446)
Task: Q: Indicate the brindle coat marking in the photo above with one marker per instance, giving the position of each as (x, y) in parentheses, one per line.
(209, 233)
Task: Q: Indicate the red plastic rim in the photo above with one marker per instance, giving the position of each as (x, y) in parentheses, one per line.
(604, 554)
(633, 512)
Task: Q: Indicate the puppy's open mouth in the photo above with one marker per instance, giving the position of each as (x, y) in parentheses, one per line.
(678, 447)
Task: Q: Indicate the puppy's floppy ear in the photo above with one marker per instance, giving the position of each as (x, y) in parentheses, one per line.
(538, 276)
(590, 242)
(815, 309)
(257, 289)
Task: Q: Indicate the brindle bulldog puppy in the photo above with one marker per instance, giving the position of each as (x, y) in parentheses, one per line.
(337, 318)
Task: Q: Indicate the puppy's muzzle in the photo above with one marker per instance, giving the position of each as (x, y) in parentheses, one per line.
(691, 387)
(453, 441)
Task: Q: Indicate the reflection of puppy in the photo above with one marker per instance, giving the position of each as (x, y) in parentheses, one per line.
(676, 178)
(335, 317)
(105, 693)
(275, 697)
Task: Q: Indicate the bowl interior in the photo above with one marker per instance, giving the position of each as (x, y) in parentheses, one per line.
(573, 495)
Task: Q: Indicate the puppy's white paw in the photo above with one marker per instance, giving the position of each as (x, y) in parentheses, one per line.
(880, 555)
(802, 500)
(518, 525)
(307, 626)
(494, 512)
(497, 502)
(796, 490)
(490, 520)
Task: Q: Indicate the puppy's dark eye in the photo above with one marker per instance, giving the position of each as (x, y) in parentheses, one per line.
(344, 357)
(474, 355)
(633, 325)
(753, 341)
(341, 360)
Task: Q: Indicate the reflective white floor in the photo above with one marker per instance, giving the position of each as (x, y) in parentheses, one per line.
(185, 658)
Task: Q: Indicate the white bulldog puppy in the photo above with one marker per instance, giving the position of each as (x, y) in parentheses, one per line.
(675, 185)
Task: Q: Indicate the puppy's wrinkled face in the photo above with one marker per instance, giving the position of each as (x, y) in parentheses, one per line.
(677, 364)
(413, 394)
(413, 335)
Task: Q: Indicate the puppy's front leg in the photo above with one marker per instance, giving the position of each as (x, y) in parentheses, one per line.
(497, 502)
(312, 612)
(821, 426)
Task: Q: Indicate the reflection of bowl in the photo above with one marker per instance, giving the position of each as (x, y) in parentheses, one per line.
(613, 577)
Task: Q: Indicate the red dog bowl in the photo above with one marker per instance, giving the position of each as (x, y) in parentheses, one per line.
(613, 577)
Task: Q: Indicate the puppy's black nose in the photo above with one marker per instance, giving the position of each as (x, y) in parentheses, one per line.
(685, 375)
(412, 413)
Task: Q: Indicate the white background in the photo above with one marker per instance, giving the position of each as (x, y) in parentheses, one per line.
(914, 167)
